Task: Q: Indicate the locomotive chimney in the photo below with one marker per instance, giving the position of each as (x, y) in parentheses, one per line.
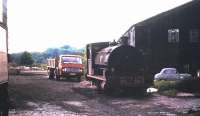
(124, 40)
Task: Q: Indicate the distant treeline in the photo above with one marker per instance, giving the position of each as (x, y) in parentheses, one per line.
(41, 57)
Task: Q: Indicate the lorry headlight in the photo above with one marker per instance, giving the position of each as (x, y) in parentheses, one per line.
(81, 70)
(64, 69)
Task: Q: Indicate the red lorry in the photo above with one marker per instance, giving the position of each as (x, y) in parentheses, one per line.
(65, 66)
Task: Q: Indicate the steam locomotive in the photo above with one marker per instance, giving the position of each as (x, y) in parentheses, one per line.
(113, 67)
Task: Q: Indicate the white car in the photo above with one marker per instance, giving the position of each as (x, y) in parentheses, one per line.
(171, 74)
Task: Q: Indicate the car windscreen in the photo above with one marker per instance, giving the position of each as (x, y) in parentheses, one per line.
(170, 71)
(67, 59)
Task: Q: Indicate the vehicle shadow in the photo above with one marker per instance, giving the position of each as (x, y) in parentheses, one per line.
(93, 93)
(32, 73)
(67, 80)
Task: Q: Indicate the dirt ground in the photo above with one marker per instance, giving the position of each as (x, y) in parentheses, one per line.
(33, 94)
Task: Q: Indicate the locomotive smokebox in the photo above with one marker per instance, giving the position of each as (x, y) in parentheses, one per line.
(120, 60)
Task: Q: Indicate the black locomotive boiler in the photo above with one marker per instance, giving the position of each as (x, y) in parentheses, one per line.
(115, 67)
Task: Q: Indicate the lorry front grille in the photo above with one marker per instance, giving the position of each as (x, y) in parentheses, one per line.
(72, 69)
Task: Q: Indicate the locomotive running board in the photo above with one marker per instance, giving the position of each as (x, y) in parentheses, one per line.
(99, 77)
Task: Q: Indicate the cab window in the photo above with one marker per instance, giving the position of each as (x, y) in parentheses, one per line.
(71, 60)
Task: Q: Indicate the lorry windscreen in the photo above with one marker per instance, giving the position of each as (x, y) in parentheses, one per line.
(67, 59)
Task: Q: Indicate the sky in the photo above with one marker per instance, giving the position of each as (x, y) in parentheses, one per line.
(35, 25)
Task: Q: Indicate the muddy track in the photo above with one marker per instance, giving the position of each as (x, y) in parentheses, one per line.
(34, 94)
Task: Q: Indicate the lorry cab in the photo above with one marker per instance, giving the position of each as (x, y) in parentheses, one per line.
(70, 65)
(66, 66)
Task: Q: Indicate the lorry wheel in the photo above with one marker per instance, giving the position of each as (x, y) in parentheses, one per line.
(79, 79)
(4, 100)
(51, 77)
(51, 73)
(86, 77)
(57, 77)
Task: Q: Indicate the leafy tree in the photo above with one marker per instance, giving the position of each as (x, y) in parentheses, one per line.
(26, 59)
(52, 52)
(15, 58)
(39, 57)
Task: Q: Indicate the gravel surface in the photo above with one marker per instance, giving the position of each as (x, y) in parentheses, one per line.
(33, 94)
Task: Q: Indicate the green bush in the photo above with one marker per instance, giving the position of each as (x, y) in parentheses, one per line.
(165, 85)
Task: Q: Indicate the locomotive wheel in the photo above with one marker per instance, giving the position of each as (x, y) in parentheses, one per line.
(111, 91)
(103, 83)
(108, 86)
(79, 79)
(57, 77)
(51, 73)
(98, 85)
(111, 86)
